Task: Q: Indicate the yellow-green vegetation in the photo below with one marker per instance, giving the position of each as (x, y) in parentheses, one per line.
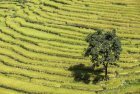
(40, 40)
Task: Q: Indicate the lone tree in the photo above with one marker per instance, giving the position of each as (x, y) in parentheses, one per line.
(104, 48)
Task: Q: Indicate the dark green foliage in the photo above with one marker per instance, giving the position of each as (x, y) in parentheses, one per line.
(104, 48)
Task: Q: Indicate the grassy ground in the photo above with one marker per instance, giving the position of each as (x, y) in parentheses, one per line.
(42, 44)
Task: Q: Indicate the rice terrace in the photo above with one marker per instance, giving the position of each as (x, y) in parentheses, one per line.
(43, 42)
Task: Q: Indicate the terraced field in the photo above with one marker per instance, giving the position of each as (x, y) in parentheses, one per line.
(40, 40)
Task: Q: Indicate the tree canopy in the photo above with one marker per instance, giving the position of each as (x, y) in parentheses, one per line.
(104, 48)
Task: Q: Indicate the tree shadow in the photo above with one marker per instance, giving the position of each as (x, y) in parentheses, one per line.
(86, 74)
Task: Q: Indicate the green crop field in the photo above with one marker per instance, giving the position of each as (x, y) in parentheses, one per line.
(40, 40)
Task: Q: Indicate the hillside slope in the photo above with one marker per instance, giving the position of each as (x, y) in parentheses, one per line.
(40, 40)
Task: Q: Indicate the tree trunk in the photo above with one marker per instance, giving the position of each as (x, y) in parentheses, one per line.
(93, 66)
(106, 76)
